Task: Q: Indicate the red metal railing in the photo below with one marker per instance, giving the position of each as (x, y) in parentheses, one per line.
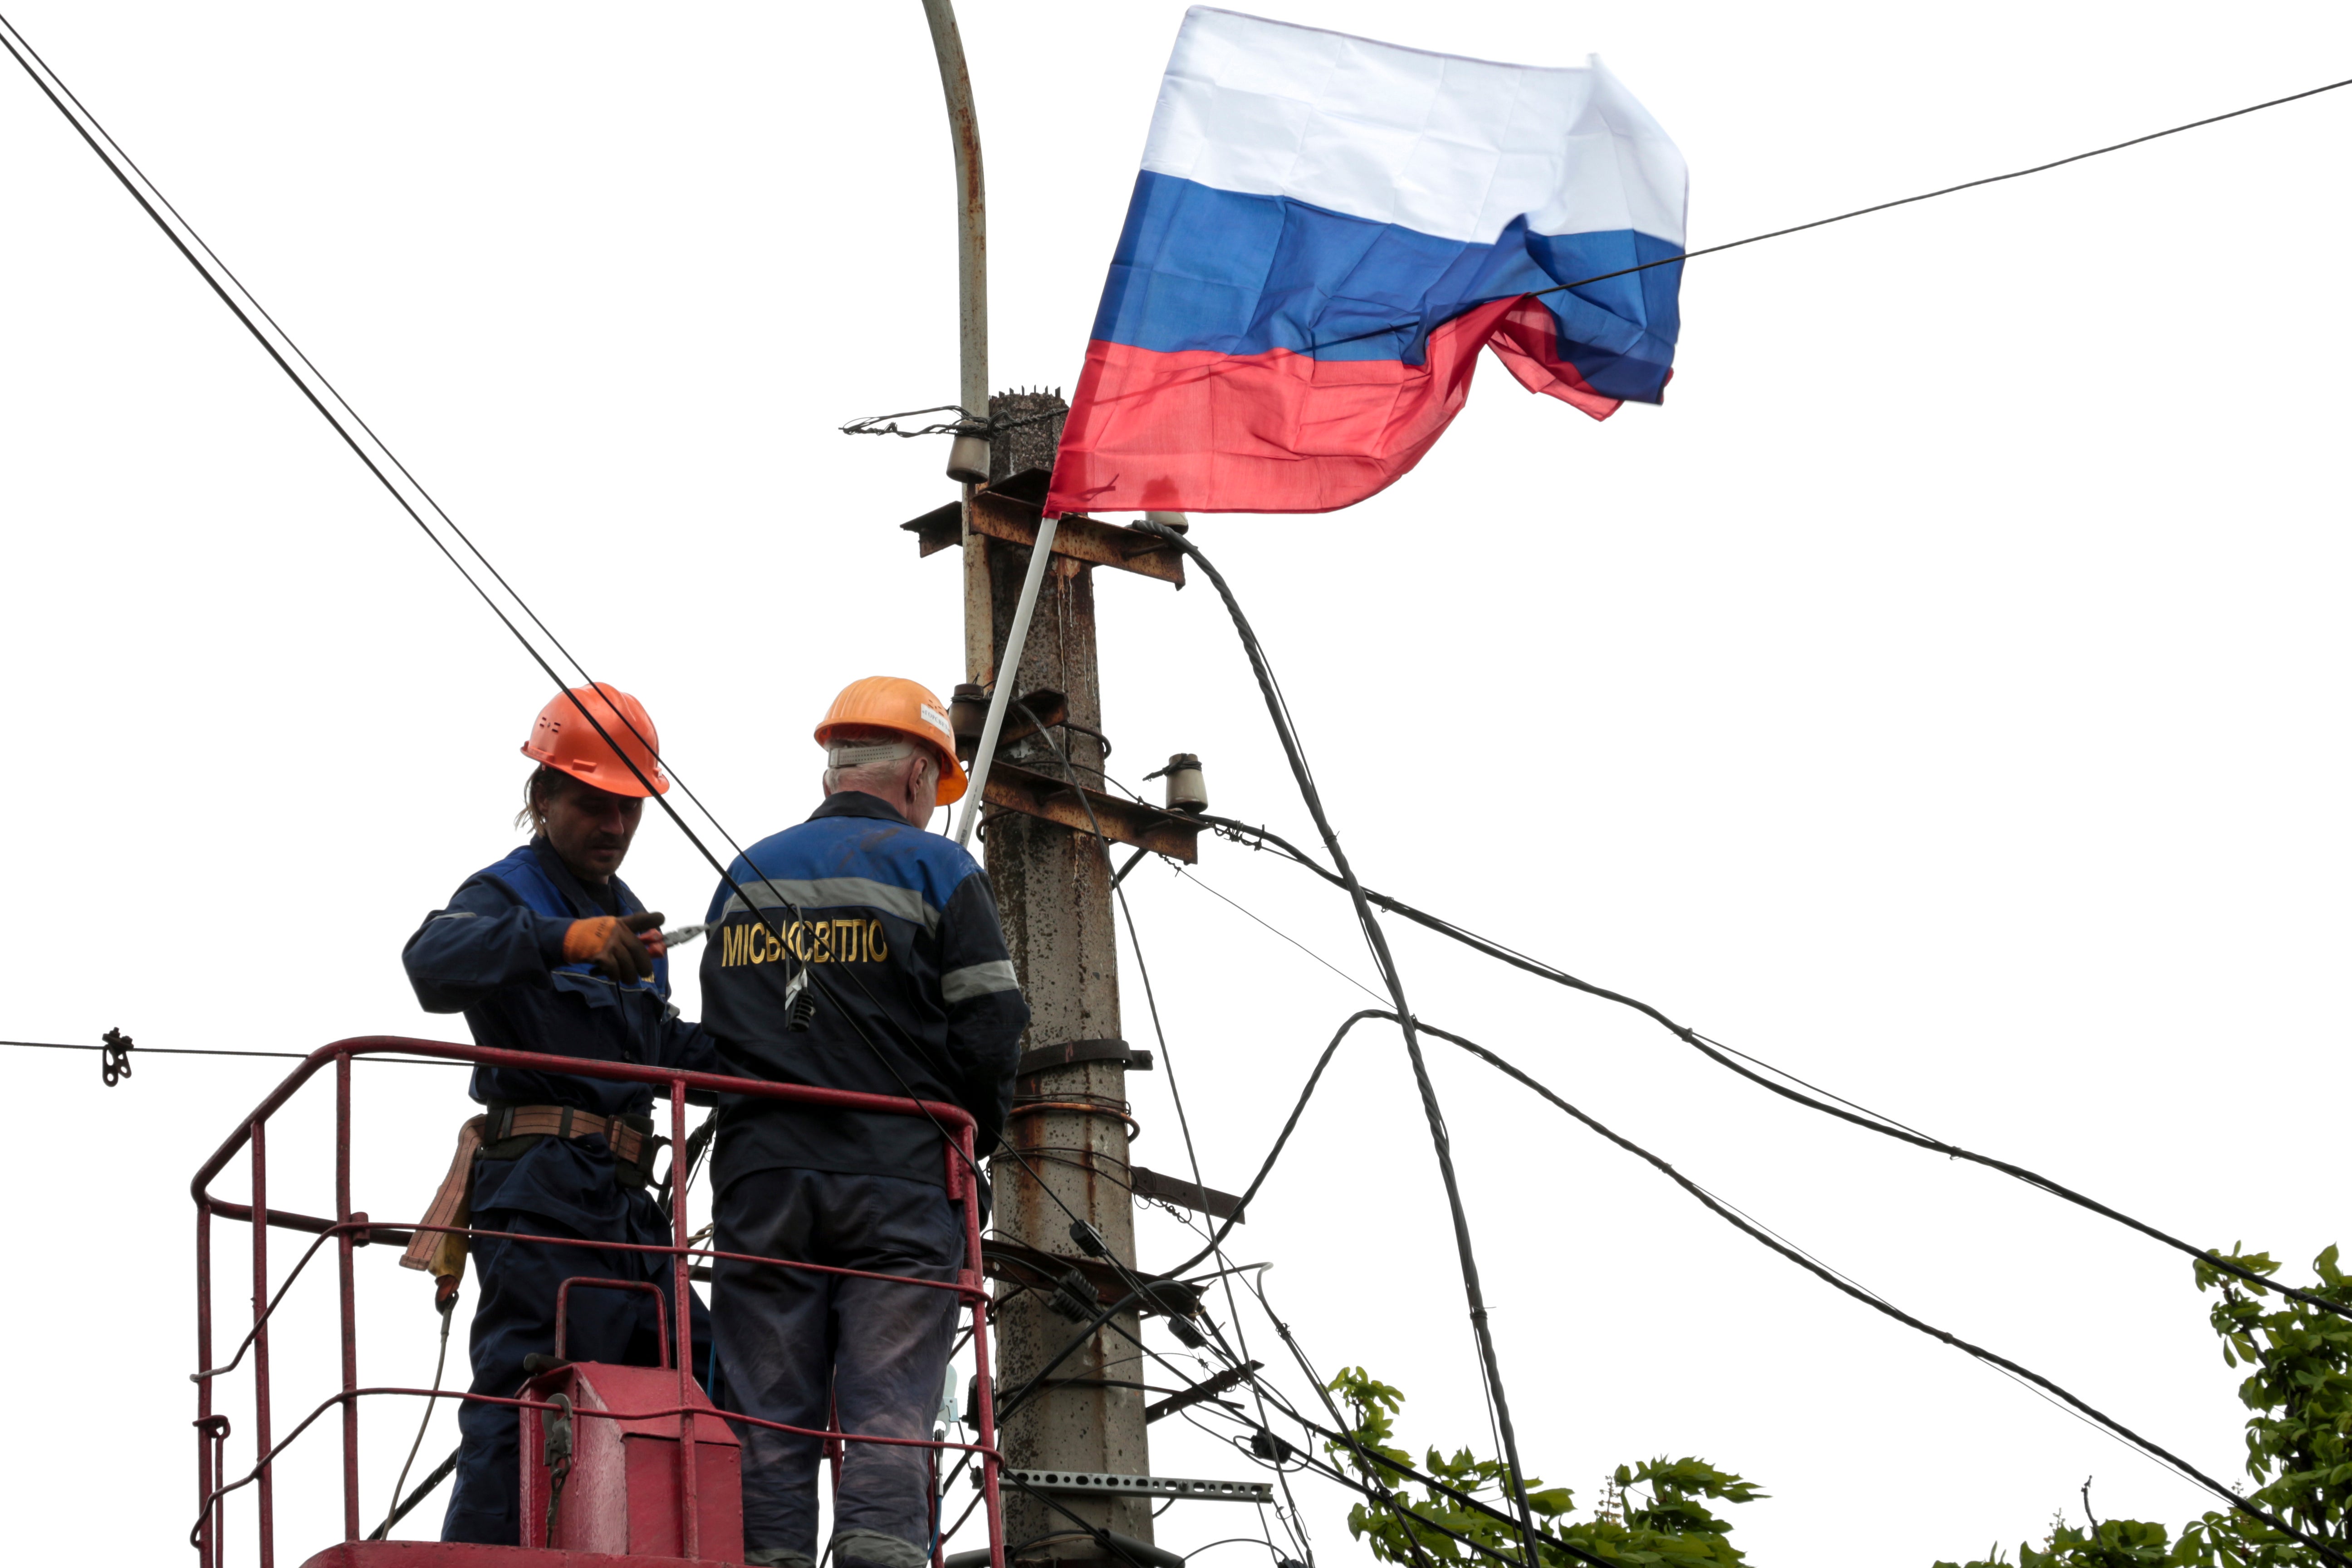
(351, 1228)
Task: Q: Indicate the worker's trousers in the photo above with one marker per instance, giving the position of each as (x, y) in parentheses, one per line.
(791, 1342)
(515, 1317)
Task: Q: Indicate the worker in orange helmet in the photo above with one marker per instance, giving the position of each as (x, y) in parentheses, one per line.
(548, 951)
(915, 997)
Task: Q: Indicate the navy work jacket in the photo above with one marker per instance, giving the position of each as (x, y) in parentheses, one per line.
(496, 954)
(916, 995)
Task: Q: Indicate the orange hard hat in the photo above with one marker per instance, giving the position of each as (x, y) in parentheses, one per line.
(906, 707)
(563, 739)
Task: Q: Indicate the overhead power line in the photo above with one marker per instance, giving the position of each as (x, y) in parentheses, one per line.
(120, 163)
(1676, 260)
(1955, 190)
(1168, 1064)
(1880, 1304)
(1720, 1054)
(381, 462)
(1225, 825)
(1756, 1233)
(144, 1052)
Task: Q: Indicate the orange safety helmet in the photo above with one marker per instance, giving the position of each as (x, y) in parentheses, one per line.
(561, 739)
(906, 707)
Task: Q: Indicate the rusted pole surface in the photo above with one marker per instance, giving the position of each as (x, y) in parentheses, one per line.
(1053, 886)
(971, 222)
(971, 301)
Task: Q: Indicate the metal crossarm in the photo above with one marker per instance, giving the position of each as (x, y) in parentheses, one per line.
(1076, 1482)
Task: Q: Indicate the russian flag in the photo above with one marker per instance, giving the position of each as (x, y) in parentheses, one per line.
(1326, 232)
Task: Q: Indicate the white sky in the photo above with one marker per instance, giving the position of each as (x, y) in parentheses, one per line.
(1932, 698)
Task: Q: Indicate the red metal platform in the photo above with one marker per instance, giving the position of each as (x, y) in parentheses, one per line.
(459, 1554)
(654, 1478)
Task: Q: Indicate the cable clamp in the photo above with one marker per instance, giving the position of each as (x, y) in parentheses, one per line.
(114, 1060)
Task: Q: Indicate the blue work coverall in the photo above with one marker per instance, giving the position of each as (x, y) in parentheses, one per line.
(917, 998)
(496, 954)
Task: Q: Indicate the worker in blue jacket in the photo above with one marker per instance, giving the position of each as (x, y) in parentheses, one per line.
(548, 951)
(915, 997)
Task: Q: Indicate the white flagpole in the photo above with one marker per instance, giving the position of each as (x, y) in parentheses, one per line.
(1007, 669)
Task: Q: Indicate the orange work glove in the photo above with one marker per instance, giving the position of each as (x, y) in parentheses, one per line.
(612, 945)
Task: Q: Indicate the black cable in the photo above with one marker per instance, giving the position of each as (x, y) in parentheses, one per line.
(1098, 1534)
(1261, 921)
(1391, 1501)
(1381, 1494)
(11, 39)
(1798, 1253)
(1378, 1492)
(1278, 710)
(1718, 1052)
(1372, 1458)
(1880, 1304)
(1275, 705)
(1012, 1402)
(142, 1052)
(1963, 185)
(357, 417)
(1282, 1139)
(1344, 1436)
(441, 1472)
(1159, 1034)
(448, 1309)
(1756, 1233)
(235, 308)
(1417, 324)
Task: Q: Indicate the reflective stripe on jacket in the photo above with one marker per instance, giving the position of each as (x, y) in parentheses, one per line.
(899, 927)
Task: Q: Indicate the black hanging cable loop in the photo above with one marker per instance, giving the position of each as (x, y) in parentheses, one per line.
(1716, 1051)
(1878, 1303)
(1278, 710)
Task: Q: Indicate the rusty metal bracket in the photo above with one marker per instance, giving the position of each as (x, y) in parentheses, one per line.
(941, 528)
(1039, 709)
(1006, 510)
(1124, 821)
(1080, 1483)
(1047, 708)
(1017, 1263)
(1191, 1194)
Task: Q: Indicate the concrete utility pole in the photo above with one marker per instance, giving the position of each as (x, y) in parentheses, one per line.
(1052, 884)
